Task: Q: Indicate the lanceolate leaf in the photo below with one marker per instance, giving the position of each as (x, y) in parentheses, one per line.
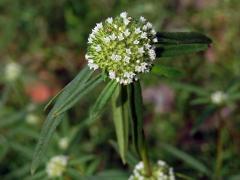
(166, 71)
(120, 118)
(82, 77)
(182, 38)
(80, 85)
(103, 99)
(174, 44)
(180, 49)
(80, 92)
(136, 114)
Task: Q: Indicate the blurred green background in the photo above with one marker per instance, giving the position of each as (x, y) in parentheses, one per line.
(42, 47)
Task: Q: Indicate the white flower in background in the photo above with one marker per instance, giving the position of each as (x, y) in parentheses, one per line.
(56, 166)
(122, 45)
(218, 97)
(63, 143)
(32, 119)
(160, 171)
(12, 71)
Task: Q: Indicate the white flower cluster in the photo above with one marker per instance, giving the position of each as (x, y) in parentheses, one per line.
(218, 97)
(63, 143)
(56, 166)
(32, 119)
(122, 47)
(161, 171)
(12, 71)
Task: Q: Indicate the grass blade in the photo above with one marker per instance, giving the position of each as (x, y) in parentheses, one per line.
(194, 163)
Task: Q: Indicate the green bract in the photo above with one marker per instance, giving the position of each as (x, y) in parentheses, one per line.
(122, 47)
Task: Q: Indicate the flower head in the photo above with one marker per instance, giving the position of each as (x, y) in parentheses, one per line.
(63, 143)
(56, 166)
(218, 97)
(120, 46)
(12, 71)
(32, 119)
(160, 171)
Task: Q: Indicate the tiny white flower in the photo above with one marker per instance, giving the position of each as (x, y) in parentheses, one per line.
(153, 32)
(90, 40)
(56, 166)
(136, 42)
(149, 25)
(123, 15)
(93, 66)
(87, 57)
(113, 36)
(99, 25)
(152, 54)
(109, 20)
(113, 57)
(138, 30)
(218, 97)
(98, 48)
(120, 37)
(126, 59)
(147, 46)
(144, 35)
(126, 21)
(118, 57)
(145, 27)
(128, 51)
(112, 75)
(141, 50)
(32, 119)
(126, 33)
(106, 39)
(12, 71)
(155, 40)
(142, 19)
(63, 143)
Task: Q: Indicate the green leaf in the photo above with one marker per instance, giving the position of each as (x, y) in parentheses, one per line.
(103, 99)
(180, 43)
(120, 118)
(180, 49)
(194, 163)
(182, 38)
(74, 91)
(136, 114)
(79, 80)
(166, 71)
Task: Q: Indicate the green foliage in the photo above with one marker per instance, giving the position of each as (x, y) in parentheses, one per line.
(121, 119)
(74, 91)
(49, 38)
(175, 44)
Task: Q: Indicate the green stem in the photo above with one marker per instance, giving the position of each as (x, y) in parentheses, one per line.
(136, 116)
(145, 157)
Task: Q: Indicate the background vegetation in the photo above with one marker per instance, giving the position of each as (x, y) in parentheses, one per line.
(200, 139)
